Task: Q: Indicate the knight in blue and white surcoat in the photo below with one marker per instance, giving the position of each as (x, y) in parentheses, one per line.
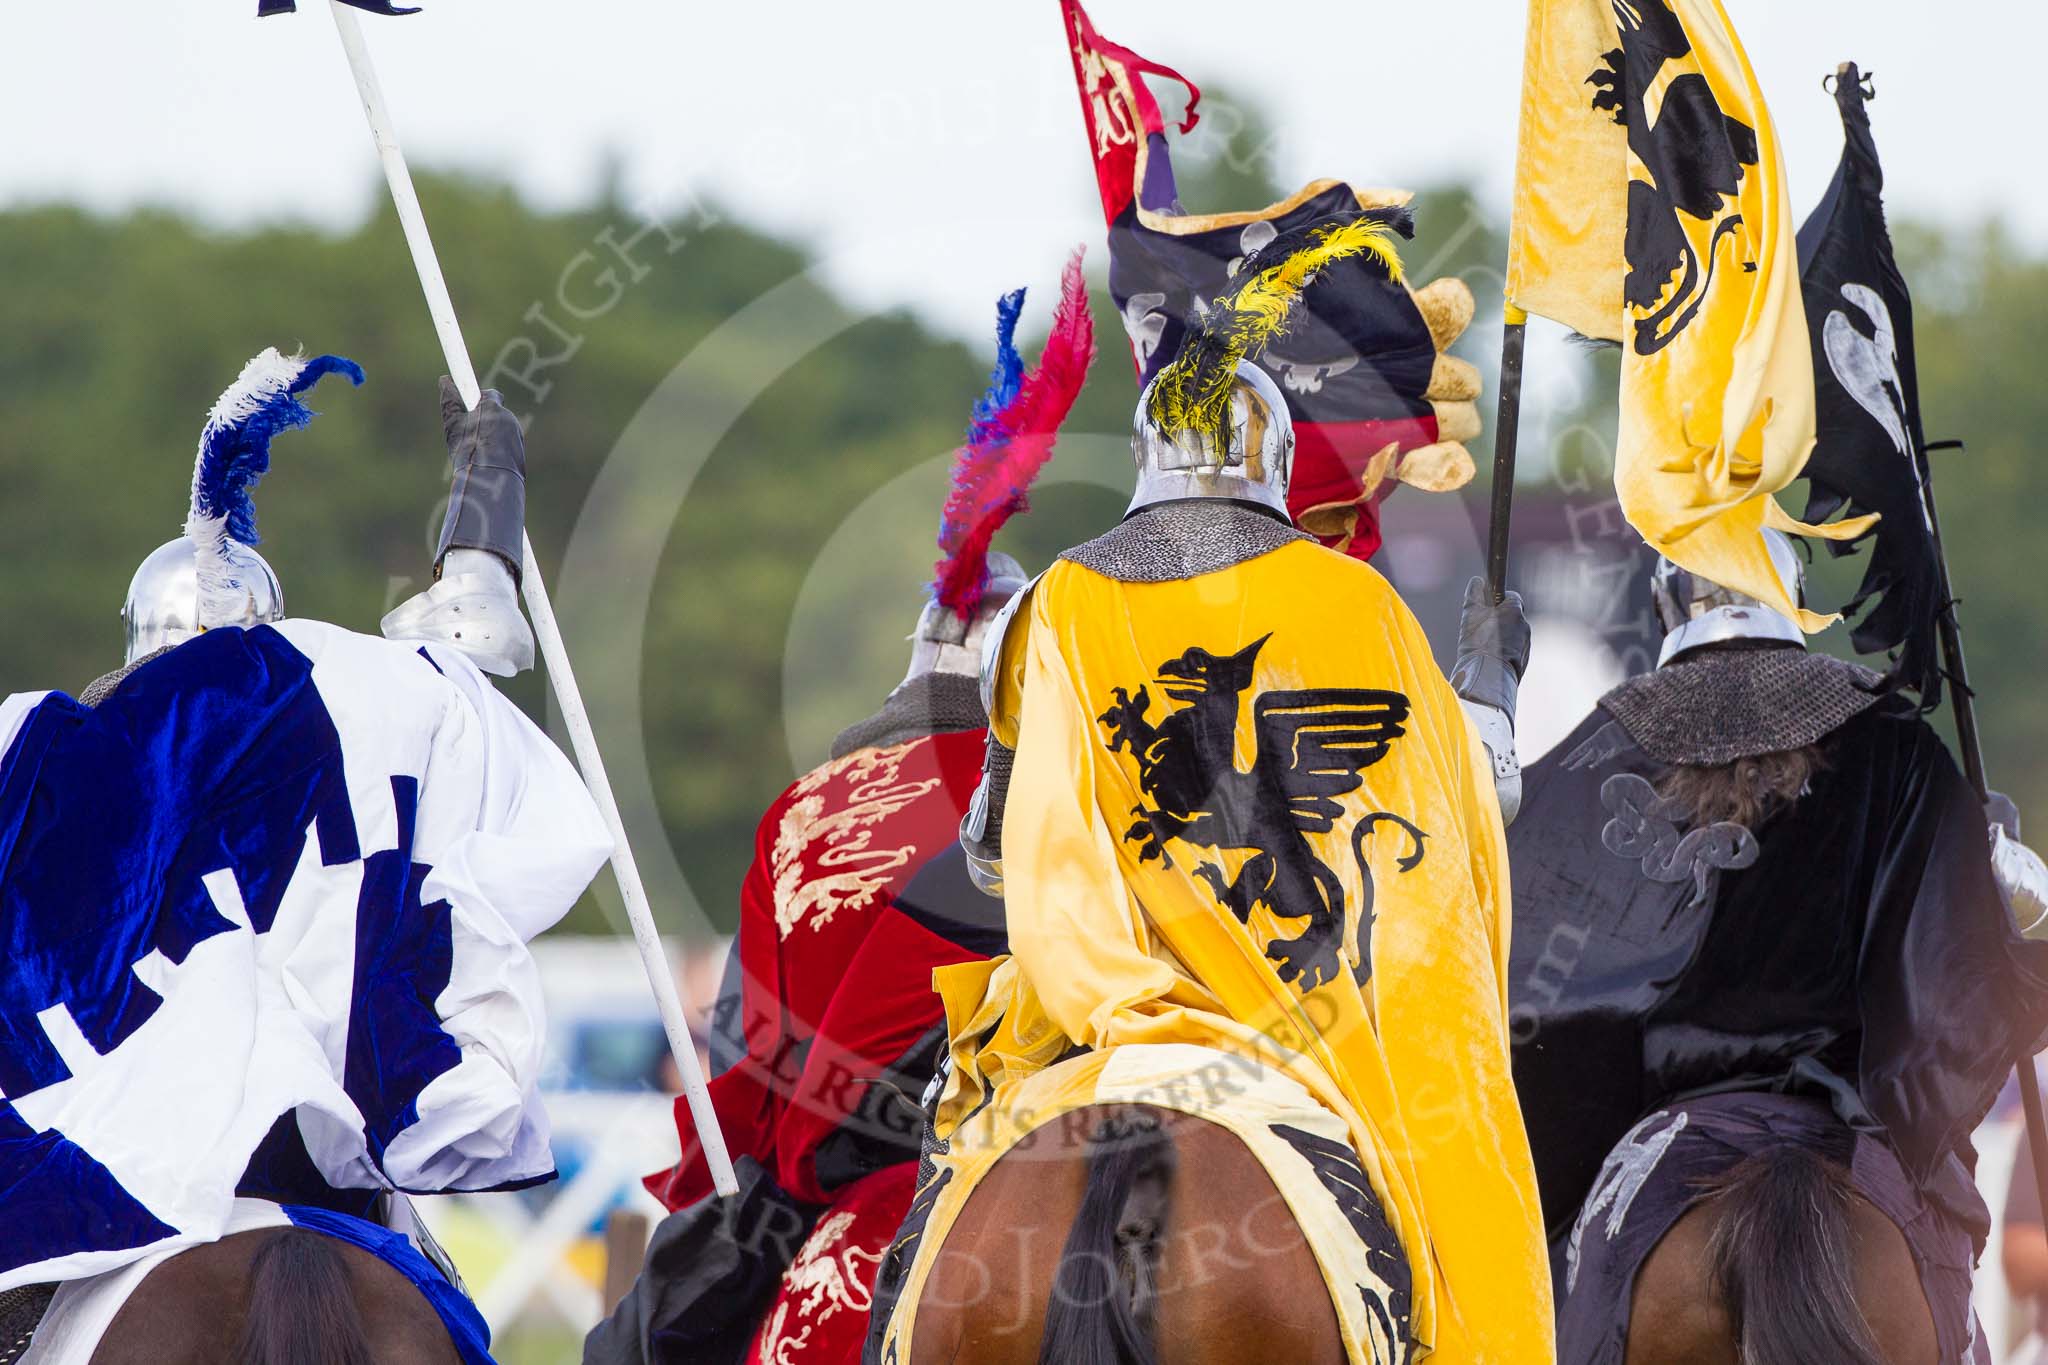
(266, 892)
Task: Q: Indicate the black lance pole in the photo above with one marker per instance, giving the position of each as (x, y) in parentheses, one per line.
(1964, 703)
(1507, 430)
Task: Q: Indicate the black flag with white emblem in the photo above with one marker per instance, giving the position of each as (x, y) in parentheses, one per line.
(1871, 455)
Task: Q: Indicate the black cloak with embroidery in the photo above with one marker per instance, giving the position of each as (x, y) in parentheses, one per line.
(1855, 947)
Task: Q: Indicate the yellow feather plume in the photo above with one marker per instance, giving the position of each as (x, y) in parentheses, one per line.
(1192, 394)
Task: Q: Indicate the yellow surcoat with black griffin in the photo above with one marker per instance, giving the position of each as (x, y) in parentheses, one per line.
(1245, 811)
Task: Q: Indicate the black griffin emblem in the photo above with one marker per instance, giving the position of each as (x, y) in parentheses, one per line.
(1695, 156)
(1313, 747)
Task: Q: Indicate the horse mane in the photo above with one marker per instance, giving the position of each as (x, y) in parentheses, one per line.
(1782, 1260)
(1105, 1298)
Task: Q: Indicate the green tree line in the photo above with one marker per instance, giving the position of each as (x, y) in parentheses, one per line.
(789, 575)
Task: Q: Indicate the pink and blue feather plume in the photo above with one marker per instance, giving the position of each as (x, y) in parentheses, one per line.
(1008, 374)
(1011, 438)
(984, 428)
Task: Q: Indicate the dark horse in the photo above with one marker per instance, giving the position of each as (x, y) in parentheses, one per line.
(1781, 1263)
(276, 1296)
(1156, 1238)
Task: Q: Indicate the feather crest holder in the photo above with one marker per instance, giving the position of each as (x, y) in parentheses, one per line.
(1011, 438)
(234, 453)
(1192, 394)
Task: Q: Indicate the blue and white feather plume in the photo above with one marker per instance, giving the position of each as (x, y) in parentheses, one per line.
(234, 453)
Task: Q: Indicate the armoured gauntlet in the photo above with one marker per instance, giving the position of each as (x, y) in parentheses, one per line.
(487, 492)
(2022, 877)
(473, 605)
(1493, 653)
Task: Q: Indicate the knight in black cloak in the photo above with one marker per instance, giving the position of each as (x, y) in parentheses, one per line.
(1756, 908)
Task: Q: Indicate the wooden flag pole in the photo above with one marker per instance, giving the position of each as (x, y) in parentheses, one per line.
(1964, 704)
(1507, 431)
(561, 677)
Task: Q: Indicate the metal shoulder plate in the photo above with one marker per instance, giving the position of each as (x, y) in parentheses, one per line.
(992, 646)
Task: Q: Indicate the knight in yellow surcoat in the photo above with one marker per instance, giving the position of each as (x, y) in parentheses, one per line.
(1233, 803)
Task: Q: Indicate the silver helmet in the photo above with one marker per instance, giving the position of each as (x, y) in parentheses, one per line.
(211, 577)
(163, 597)
(1253, 461)
(943, 643)
(1696, 611)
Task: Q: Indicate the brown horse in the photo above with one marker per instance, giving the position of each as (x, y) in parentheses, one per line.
(1158, 1239)
(276, 1296)
(1781, 1263)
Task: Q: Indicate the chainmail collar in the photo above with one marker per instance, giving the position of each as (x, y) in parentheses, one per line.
(929, 704)
(1723, 703)
(102, 687)
(21, 1311)
(1164, 542)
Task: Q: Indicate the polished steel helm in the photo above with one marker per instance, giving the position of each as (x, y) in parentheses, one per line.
(1254, 462)
(163, 598)
(943, 643)
(1696, 611)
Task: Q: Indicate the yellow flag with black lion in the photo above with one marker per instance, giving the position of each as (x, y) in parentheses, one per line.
(1651, 210)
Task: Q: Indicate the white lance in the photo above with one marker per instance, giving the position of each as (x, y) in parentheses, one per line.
(560, 676)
